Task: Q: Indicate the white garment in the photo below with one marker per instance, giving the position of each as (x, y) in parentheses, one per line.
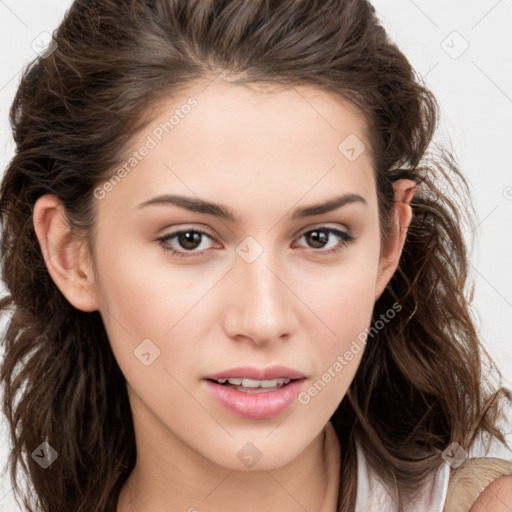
(372, 495)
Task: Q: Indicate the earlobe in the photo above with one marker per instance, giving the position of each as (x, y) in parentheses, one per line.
(402, 216)
(64, 254)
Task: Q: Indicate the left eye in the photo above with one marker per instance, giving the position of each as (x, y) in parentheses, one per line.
(320, 235)
(189, 239)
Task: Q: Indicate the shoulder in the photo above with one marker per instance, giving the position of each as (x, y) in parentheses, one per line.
(496, 497)
(479, 485)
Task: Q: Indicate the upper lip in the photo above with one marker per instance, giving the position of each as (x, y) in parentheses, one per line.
(249, 372)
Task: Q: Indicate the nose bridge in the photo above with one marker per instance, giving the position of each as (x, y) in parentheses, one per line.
(260, 307)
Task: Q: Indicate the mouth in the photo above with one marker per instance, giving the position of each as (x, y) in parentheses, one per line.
(255, 394)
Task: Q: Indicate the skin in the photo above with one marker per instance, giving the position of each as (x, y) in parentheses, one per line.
(497, 497)
(262, 153)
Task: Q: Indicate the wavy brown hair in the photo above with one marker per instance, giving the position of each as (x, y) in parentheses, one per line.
(422, 382)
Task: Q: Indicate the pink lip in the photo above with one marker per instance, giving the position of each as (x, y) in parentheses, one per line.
(257, 406)
(249, 372)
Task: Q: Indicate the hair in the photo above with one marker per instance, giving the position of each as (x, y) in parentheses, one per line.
(422, 382)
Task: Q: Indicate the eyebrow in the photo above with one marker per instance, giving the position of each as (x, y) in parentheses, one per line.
(222, 212)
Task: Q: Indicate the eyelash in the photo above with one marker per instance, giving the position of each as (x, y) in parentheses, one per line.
(345, 237)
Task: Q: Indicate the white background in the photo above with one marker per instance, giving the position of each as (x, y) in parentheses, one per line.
(474, 90)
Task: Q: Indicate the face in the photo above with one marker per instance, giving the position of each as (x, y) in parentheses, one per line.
(186, 295)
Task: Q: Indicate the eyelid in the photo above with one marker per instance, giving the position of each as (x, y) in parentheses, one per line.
(186, 228)
(322, 225)
(298, 233)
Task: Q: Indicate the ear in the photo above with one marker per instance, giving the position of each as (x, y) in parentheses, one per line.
(402, 215)
(65, 255)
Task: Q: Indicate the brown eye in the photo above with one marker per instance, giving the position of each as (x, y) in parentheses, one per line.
(187, 241)
(317, 239)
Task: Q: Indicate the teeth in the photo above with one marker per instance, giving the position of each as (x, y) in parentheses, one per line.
(250, 383)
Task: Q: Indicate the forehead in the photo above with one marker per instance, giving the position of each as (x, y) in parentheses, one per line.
(264, 115)
(252, 142)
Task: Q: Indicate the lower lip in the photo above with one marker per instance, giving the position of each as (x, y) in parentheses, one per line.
(256, 406)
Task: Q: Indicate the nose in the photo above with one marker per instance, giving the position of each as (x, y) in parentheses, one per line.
(260, 302)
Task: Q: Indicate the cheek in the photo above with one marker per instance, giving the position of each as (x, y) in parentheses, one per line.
(337, 354)
(343, 308)
(140, 301)
(345, 296)
(346, 310)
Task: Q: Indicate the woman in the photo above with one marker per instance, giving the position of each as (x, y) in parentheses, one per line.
(236, 280)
